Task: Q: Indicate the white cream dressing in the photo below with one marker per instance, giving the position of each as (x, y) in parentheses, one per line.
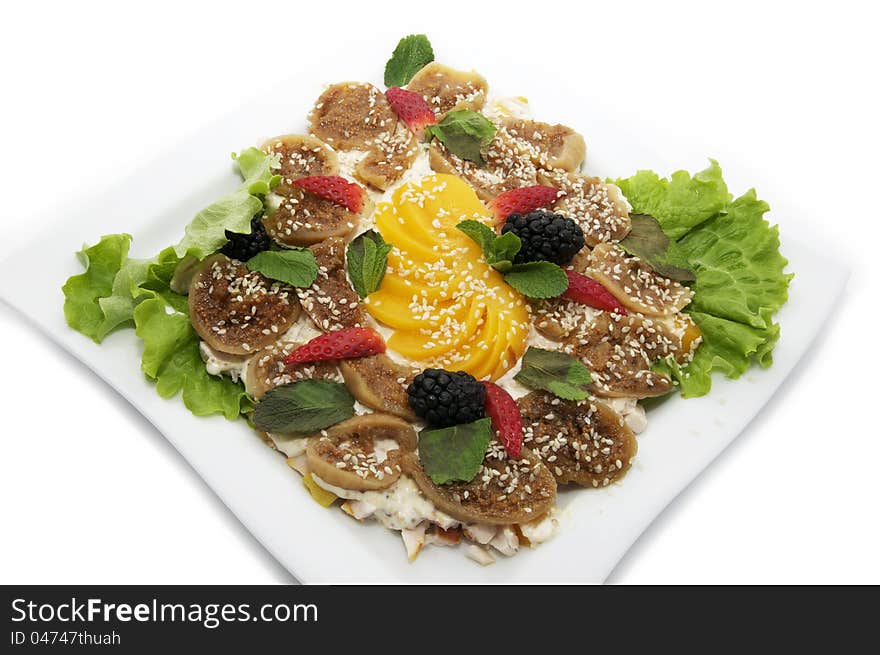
(290, 445)
(537, 532)
(400, 506)
(220, 364)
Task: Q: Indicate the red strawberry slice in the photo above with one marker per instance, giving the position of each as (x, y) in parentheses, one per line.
(412, 109)
(347, 343)
(336, 189)
(588, 291)
(522, 201)
(506, 419)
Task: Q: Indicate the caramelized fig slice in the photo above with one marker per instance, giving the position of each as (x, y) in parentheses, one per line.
(352, 115)
(446, 89)
(331, 302)
(238, 311)
(505, 490)
(620, 350)
(363, 453)
(267, 369)
(635, 284)
(598, 207)
(584, 442)
(505, 169)
(300, 155)
(380, 383)
(548, 146)
(556, 318)
(300, 218)
(388, 159)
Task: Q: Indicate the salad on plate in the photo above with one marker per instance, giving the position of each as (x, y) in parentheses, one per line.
(427, 306)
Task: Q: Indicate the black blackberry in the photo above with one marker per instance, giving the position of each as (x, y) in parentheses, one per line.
(545, 237)
(444, 398)
(244, 246)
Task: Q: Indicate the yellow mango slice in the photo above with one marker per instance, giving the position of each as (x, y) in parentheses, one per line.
(446, 305)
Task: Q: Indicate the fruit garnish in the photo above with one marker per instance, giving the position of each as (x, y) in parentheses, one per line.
(412, 109)
(587, 291)
(506, 419)
(340, 344)
(336, 189)
(244, 246)
(545, 236)
(522, 201)
(446, 398)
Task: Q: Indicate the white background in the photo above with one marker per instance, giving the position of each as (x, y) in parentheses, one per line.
(91, 493)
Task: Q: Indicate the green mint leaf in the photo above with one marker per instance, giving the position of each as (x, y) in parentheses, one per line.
(455, 453)
(556, 372)
(537, 279)
(480, 233)
(296, 267)
(647, 241)
(367, 260)
(303, 407)
(499, 251)
(206, 233)
(464, 133)
(412, 53)
(503, 250)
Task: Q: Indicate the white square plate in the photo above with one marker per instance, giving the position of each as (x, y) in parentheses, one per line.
(318, 545)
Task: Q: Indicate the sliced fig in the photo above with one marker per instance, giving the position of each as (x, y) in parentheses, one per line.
(352, 115)
(635, 284)
(584, 442)
(300, 155)
(505, 491)
(363, 453)
(267, 369)
(300, 218)
(548, 146)
(388, 159)
(505, 169)
(620, 350)
(380, 383)
(238, 311)
(331, 302)
(598, 207)
(446, 89)
(556, 318)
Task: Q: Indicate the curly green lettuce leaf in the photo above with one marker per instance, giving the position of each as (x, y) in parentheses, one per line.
(738, 266)
(681, 202)
(728, 347)
(740, 280)
(206, 233)
(102, 298)
(171, 355)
